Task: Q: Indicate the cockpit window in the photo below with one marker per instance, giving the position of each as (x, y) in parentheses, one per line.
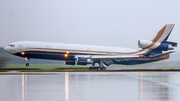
(11, 45)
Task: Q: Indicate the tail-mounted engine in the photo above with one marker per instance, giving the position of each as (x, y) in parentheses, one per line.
(163, 46)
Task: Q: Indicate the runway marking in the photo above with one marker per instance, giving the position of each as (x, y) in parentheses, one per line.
(23, 86)
(66, 86)
(141, 87)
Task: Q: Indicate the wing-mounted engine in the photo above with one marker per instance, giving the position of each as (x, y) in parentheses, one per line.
(82, 61)
(159, 46)
(79, 61)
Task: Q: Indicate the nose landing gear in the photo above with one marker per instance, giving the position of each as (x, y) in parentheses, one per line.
(27, 64)
(27, 60)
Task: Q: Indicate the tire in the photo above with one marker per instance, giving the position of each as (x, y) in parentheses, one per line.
(103, 68)
(98, 68)
(27, 64)
(90, 68)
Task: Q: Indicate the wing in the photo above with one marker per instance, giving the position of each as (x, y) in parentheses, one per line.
(104, 59)
(96, 57)
(113, 57)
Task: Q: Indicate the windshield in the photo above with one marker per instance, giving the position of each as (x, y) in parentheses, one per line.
(11, 45)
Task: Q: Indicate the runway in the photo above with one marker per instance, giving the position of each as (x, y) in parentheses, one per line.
(158, 66)
(90, 86)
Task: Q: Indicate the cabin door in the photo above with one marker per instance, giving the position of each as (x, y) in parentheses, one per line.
(88, 52)
(47, 48)
(20, 47)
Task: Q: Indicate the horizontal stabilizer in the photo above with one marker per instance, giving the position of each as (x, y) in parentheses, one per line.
(153, 56)
(174, 44)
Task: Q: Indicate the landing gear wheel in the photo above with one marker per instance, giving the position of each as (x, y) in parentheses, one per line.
(103, 68)
(98, 68)
(91, 68)
(27, 64)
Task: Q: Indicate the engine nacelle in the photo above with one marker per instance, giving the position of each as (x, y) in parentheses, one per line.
(154, 45)
(83, 61)
(69, 62)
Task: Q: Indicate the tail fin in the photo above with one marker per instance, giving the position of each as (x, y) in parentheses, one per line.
(164, 33)
(159, 43)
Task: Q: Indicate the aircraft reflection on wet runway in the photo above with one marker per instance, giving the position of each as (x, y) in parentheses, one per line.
(91, 86)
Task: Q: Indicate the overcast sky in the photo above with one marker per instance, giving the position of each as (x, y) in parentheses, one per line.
(98, 22)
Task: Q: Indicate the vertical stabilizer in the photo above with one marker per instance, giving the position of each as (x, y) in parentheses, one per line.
(164, 33)
(159, 43)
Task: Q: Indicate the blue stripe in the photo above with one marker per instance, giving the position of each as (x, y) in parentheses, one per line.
(132, 62)
(60, 56)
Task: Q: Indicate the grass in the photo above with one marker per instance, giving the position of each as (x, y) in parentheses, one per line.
(71, 68)
(44, 66)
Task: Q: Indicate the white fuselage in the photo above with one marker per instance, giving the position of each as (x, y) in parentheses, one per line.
(64, 47)
(78, 54)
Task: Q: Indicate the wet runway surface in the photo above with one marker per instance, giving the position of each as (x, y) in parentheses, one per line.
(162, 66)
(90, 86)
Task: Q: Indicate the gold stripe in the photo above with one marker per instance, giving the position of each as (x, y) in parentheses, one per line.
(175, 45)
(88, 51)
(49, 53)
(148, 52)
(160, 33)
(169, 32)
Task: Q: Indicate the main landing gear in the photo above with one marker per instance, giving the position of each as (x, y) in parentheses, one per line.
(97, 68)
(27, 60)
(100, 67)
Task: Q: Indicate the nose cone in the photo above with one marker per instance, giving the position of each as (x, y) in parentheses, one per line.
(6, 49)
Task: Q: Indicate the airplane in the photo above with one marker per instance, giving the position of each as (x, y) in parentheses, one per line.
(158, 48)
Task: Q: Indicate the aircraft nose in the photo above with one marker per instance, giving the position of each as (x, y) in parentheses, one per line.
(6, 49)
